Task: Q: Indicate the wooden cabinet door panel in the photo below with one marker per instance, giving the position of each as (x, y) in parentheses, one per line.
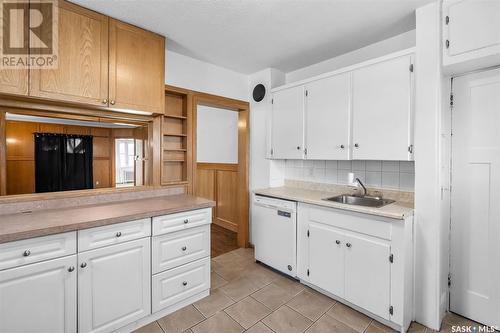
(39, 297)
(368, 274)
(287, 127)
(136, 68)
(327, 118)
(114, 286)
(82, 72)
(326, 258)
(14, 81)
(381, 115)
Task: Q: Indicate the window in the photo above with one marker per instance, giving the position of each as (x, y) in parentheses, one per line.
(124, 165)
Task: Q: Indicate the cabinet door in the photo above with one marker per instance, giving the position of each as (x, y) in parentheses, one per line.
(136, 68)
(368, 274)
(327, 118)
(39, 298)
(114, 286)
(382, 110)
(472, 25)
(288, 123)
(326, 258)
(82, 72)
(14, 81)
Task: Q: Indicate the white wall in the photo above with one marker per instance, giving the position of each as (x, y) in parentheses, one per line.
(216, 135)
(393, 44)
(190, 73)
(428, 79)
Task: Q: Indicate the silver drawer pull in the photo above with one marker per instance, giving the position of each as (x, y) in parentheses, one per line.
(348, 244)
(184, 283)
(337, 242)
(118, 234)
(83, 265)
(184, 248)
(186, 221)
(71, 268)
(26, 253)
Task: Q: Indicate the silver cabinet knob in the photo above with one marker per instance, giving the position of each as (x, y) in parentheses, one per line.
(118, 234)
(348, 244)
(105, 101)
(83, 265)
(186, 221)
(184, 248)
(112, 102)
(71, 268)
(342, 146)
(356, 145)
(184, 283)
(337, 242)
(298, 147)
(26, 253)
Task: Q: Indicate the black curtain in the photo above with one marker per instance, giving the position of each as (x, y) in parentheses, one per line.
(62, 162)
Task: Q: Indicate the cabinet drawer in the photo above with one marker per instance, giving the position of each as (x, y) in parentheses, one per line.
(179, 283)
(179, 248)
(179, 221)
(94, 238)
(32, 250)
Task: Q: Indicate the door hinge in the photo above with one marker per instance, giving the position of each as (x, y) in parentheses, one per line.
(308, 272)
(447, 43)
(308, 233)
(410, 149)
(411, 68)
(447, 20)
(305, 151)
(391, 258)
(449, 280)
(307, 92)
(391, 310)
(272, 151)
(272, 100)
(451, 100)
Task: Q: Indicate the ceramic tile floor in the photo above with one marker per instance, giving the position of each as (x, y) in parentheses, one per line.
(248, 297)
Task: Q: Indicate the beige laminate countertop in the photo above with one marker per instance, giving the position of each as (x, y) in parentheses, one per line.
(397, 210)
(47, 222)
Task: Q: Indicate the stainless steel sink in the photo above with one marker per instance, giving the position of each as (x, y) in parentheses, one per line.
(360, 201)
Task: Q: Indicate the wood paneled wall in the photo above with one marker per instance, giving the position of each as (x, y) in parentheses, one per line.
(20, 154)
(219, 182)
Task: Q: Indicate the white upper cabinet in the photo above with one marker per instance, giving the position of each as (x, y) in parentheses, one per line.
(471, 34)
(327, 118)
(381, 114)
(288, 123)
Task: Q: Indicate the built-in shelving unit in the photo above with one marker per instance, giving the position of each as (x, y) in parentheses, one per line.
(176, 138)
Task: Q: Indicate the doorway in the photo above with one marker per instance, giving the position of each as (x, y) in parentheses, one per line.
(475, 197)
(220, 153)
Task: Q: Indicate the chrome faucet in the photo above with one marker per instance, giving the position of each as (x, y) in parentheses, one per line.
(362, 185)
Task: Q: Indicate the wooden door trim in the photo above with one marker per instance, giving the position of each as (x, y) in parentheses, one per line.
(243, 109)
(3, 155)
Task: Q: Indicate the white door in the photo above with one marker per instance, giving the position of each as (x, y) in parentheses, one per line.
(475, 197)
(114, 286)
(368, 274)
(287, 126)
(327, 118)
(472, 25)
(381, 116)
(326, 258)
(39, 298)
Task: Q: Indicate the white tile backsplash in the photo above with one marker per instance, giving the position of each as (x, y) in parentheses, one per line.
(398, 175)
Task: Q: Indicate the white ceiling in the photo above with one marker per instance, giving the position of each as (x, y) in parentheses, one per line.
(250, 35)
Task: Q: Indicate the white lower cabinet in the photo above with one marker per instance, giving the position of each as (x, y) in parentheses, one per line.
(114, 286)
(368, 274)
(39, 298)
(363, 260)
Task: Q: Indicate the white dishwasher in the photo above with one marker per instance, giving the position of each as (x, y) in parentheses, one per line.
(274, 232)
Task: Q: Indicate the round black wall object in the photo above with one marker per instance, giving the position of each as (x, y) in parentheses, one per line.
(259, 92)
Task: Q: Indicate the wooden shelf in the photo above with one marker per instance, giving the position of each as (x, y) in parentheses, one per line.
(174, 149)
(181, 182)
(173, 160)
(174, 134)
(175, 116)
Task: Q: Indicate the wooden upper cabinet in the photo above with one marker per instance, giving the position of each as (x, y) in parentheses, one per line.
(82, 73)
(136, 68)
